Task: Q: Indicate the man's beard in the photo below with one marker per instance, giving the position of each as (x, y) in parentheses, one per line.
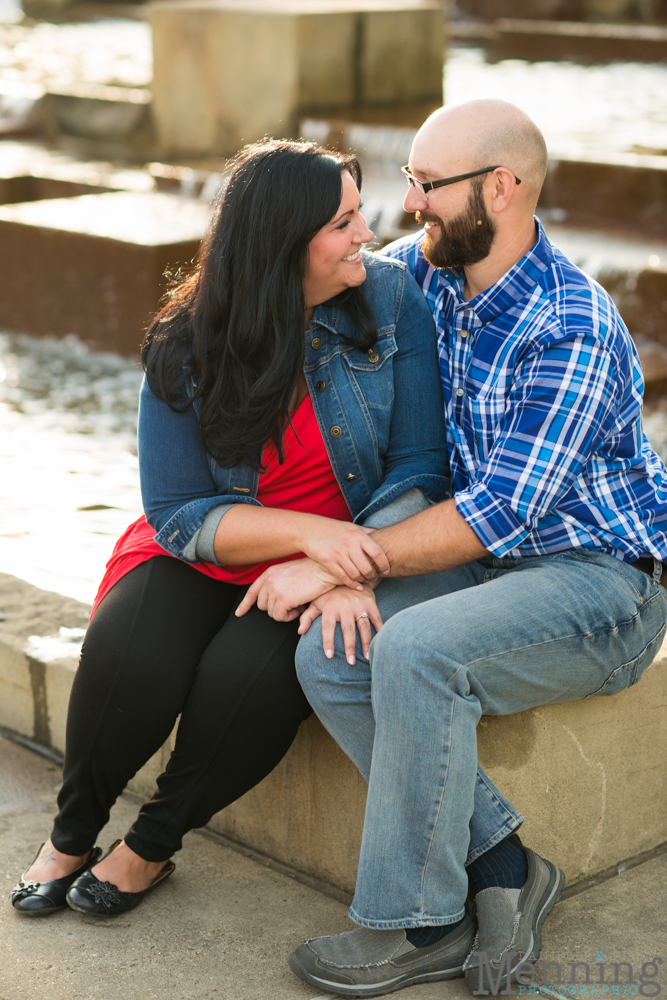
(466, 239)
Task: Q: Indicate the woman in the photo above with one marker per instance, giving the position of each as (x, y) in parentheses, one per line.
(257, 443)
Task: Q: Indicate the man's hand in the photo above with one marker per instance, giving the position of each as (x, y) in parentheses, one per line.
(354, 611)
(283, 591)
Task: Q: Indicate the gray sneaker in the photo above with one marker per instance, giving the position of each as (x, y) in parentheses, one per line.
(368, 963)
(510, 926)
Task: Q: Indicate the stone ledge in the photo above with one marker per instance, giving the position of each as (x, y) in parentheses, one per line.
(590, 777)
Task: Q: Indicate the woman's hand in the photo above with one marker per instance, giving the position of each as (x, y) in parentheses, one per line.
(354, 610)
(283, 591)
(346, 551)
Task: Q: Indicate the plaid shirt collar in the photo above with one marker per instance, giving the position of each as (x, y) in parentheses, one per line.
(508, 290)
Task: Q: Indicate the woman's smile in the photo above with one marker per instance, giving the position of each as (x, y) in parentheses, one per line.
(334, 254)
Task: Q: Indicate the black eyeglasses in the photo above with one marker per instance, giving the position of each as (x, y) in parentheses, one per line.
(426, 186)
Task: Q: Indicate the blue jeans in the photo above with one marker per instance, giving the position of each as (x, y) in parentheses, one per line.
(493, 637)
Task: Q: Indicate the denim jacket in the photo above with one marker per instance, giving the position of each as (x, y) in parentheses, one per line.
(380, 412)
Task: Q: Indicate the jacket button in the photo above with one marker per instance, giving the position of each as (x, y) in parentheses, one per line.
(320, 386)
(316, 343)
(335, 432)
(373, 357)
(350, 478)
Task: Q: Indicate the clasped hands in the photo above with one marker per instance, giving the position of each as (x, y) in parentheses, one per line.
(336, 580)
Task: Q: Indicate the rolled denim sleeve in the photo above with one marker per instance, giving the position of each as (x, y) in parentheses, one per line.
(178, 489)
(416, 457)
(561, 407)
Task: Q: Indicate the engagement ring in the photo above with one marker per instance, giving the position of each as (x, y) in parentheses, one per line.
(362, 615)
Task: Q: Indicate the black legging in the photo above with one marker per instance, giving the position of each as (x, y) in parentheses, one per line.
(165, 641)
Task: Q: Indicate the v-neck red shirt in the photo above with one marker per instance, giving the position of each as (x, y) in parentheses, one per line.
(304, 482)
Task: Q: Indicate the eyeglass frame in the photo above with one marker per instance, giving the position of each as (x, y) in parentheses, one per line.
(426, 186)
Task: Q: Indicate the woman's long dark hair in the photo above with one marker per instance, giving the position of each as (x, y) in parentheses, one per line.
(236, 322)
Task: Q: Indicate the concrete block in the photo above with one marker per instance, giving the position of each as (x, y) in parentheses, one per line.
(577, 41)
(590, 777)
(535, 9)
(106, 121)
(308, 813)
(402, 56)
(17, 709)
(93, 265)
(623, 190)
(58, 679)
(37, 659)
(32, 172)
(40, 638)
(228, 72)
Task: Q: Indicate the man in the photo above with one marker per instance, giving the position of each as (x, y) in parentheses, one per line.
(559, 508)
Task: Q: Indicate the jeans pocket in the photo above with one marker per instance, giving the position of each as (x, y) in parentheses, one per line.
(628, 674)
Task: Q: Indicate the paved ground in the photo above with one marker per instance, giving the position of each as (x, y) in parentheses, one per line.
(222, 926)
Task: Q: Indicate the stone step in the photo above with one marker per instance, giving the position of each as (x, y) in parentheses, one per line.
(114, 122)
(29, 171)
(537, 40)
(94, 265)
(590, 781)
(58, 11)
(577, 41)
(623, 190)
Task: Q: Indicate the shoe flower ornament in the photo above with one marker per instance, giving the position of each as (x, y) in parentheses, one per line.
(105, 893)
(23, 889)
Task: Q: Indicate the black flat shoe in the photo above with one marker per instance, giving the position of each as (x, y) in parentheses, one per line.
(103, 899)
(39, 899)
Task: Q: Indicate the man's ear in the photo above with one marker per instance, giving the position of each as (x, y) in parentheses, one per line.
(503, 185)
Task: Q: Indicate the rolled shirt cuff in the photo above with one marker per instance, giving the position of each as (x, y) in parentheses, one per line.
(406, 505)
(205, 537)
(493, 521)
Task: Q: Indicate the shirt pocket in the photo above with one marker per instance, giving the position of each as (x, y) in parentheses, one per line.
(372, 371)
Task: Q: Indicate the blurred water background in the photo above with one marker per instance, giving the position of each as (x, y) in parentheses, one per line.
(68, 465)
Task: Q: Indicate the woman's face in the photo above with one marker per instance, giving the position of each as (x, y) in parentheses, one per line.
(334, 255)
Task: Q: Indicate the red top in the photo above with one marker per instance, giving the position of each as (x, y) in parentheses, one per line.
(304, 482)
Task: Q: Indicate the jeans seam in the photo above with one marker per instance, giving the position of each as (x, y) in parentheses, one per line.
(442, 793)
(573, 635)
(625, 666)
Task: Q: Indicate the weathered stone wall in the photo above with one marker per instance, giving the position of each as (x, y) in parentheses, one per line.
(590, 777)
(229, 72)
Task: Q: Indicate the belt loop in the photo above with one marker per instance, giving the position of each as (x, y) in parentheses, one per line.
(657, 570)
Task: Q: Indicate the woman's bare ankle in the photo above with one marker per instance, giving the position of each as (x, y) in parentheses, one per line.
(127, 870)
(52, 864)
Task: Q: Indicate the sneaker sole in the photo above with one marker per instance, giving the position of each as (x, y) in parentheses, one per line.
(547, 903)
(373, 989)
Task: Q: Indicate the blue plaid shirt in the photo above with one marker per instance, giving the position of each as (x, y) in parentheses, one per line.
(543, 399)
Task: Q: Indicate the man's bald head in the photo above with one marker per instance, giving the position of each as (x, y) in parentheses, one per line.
(485, 133)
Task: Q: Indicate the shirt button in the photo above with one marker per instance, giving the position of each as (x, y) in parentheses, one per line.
(464, 333)
(373, 357)
(316, 343)
(335, 432)
(350, 478)
(459, 392)
(320, 386)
